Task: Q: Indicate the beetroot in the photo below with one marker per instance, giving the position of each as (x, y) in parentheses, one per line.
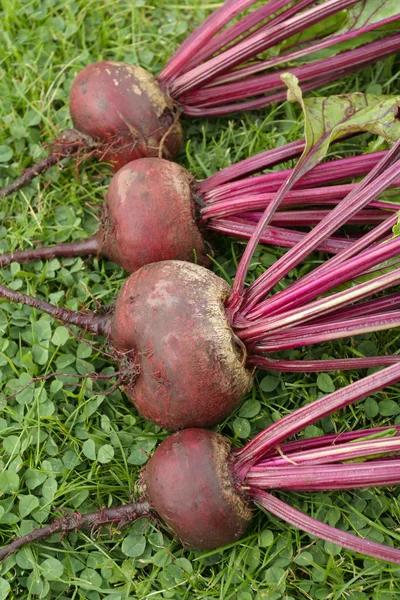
(183, 345)
(202, 488)
(154, 209)
(120, 112)
(122, 107)
(204, 510)
(149, 215)
(180, 362)
(169, 321)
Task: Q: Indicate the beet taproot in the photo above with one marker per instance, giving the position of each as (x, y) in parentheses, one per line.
(203, 488)
(169, 320)
(180, 362)
(155, 210)
(189, 482)
(149, 215)
(123, 108)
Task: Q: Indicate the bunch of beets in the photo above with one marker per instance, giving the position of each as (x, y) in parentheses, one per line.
(187, 344)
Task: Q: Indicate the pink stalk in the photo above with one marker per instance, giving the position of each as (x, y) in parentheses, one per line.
(263, 160)
(200, 36)
(293, 295)
(252, 46)
(336, 275)
(319, 366)
(371, 186)
(316, 528)
(324, 196)
(276, 236)
(263, 101)
(328, 454)
(266, 441)
(271, 82)
(390, 302)
(263, 327)
(297, 337)
(331, 440)
(225, 208)
(308, 49)
(305, 218)
(323, 174)
(245, 25)
(331, 477)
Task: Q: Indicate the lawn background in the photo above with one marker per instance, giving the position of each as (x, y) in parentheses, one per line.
(67, 446)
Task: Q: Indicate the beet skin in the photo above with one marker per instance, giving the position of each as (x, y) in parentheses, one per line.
(170, 327)
(188, 481)
(149, 216)
(123, 107)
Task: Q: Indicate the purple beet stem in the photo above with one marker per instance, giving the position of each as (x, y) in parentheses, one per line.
(371, 186)
(316, 528)
(86, 247)
(268, 439)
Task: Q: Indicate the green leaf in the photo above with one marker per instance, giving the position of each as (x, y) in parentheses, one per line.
(52, 569)
(241, 427)
(60, 336)
(49, 489)
(269, 383)
(12, 444)
(371, 408)
(27, 504)
(105, 454)
(36, 585)
(9, 482)
(325, 383)
(34, 478)
(250, 409)
(6, 153)
(370, 11)
(266, 538)
(328, 119)
(356, 16)
(133, 545)
(89, 449)
(389, 408)
(4, 588)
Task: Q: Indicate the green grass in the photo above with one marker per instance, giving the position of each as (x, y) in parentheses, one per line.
(65, 445)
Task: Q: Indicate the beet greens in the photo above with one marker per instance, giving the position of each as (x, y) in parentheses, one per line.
(120, 112)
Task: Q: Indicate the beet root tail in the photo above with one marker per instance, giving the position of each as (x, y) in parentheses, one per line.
(120, 515)
(87, 247)
(70, 142)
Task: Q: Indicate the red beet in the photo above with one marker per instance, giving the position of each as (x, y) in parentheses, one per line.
(149, 216)
(189, 482)
(121, 112)
(122, 107)
(155, 210)
(169, 320)
(180, 361)
(202, 487)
